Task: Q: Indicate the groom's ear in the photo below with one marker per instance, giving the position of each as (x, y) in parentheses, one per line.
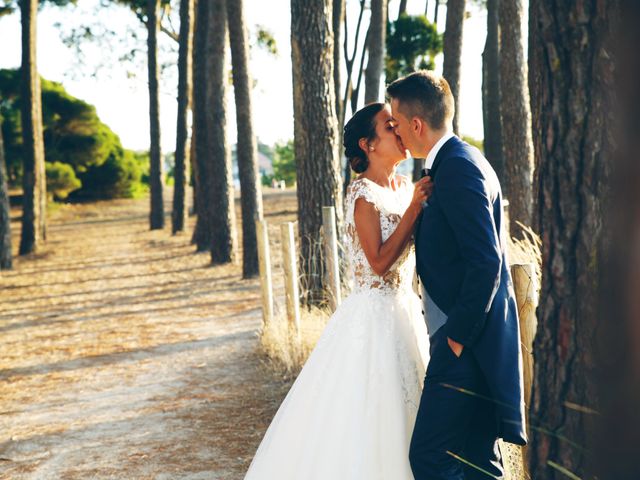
(417, 125)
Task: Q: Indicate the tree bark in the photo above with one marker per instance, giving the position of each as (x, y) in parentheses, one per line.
(619, 433)
(315, 128)
(251, 194)
(435, 13)
(517, 144)
(6, 257)
(573, 152)
(491, 91)
(185, 91)
(376, 48)
(156, 215)
(34, 181)
(452, 49)
(220, 196)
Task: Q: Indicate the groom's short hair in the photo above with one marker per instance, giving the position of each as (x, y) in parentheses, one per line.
(426, 95)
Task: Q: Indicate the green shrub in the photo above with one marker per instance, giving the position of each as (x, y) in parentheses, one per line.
(61, 180)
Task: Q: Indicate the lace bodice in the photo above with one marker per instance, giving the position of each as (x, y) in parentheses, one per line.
(391, 205)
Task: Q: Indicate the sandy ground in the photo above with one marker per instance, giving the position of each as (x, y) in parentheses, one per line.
(125, 355)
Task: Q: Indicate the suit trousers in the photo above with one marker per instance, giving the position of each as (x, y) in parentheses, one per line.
(456, 432)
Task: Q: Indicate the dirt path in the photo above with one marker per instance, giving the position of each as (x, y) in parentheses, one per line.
(125, 355)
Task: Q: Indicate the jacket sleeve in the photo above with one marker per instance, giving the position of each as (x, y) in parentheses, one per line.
(467, 206)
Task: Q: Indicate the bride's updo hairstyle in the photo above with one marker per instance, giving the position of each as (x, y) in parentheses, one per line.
(361, 125)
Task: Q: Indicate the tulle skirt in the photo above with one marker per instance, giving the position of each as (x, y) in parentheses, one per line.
(350, 413)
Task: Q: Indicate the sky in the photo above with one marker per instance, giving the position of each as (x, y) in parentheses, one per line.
(119, 90)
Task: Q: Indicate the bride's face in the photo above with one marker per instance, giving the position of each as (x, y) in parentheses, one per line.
(387, 146)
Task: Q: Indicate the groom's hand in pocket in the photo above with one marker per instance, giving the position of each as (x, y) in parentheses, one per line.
(455, 347)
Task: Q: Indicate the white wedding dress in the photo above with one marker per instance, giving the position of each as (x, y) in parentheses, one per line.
(350, 413)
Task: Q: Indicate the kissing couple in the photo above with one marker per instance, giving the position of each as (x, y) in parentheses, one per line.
(401, 385)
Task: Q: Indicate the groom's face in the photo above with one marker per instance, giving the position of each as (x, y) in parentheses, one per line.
(405, 129)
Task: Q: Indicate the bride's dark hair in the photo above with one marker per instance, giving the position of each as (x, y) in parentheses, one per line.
(361, 125)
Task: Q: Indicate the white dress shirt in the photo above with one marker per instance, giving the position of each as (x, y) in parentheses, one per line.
(428, 163)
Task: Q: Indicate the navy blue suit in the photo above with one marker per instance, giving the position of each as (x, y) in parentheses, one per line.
(471, 401)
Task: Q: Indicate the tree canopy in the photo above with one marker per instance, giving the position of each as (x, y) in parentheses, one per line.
(412, 43)
(73, 135)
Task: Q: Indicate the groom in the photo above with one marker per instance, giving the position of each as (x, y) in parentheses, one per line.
(473, 390)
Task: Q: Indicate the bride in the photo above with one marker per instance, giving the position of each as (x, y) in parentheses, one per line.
(351, 411)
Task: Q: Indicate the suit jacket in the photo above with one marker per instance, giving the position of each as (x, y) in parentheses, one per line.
(461, 259)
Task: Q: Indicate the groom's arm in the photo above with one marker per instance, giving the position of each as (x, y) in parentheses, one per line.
(468, 209)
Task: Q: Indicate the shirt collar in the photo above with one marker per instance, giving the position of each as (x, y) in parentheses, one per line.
(428, 163)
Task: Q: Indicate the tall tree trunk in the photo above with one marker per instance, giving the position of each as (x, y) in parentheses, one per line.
(348, 89)
(402, 8)
(183, 147)
(435, 12)
(376, 47)
(516, 115)
(491, 91)
(202, 235)
(620, 383)
(338, 18)
(251, 194)
(156, 215)
(315, 129)
(573, 149)
(34, 181)
(426, 8)
(6, 257)
(220, 196)
(452, 49)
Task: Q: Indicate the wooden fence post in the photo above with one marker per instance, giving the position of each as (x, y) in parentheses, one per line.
(330, 241)
(525, 283)
(264, 262)
(291, 276)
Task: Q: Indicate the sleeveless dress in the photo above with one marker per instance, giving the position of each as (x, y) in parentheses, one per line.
(351, 411)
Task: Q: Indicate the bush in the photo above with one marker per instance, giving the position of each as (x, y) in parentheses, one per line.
(284, 163)
(61, 180)
(118, 177)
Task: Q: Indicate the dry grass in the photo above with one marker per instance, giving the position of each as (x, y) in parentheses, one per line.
(286, 350)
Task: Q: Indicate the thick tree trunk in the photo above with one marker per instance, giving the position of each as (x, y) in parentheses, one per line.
(619, 435)
(376, 48)
(34, 181)
(6, 257)
(491, 91)
(315, 128)
(251, 194)
(517, 144)
(185, 90)
(452, 49)
(574, 151)
(156, 215)
(220, 196)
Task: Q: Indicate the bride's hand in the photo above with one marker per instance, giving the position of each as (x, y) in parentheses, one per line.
(422, 190)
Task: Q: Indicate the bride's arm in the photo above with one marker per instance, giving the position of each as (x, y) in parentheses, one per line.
(382, 255)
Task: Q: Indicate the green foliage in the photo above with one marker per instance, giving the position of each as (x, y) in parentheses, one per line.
(118, 177)
(479, 144)
(266, 40)
(412, 44)
(61, 180)
(284, 163)
(73, 135)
